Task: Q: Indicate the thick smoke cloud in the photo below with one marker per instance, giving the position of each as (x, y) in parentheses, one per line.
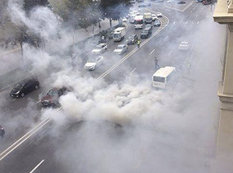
(161, 130)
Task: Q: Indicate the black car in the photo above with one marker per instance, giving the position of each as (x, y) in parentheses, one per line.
(51, 99)
(2, 131)
(132, 39)
(145, 34)
(24, 87)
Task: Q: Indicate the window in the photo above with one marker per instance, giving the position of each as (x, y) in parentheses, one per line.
(158, 79)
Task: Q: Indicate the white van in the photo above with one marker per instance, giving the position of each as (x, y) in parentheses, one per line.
(161, 76)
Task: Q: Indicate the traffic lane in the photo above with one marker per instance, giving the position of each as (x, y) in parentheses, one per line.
(29, 154)
(18, 115)
(145, 63)
(110, 58)
(45, 145)
(146, 66)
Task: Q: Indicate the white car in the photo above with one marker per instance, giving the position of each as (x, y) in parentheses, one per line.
(124, 19)
(154, 17)
(121, 48)
(100, 48)
(184, 45)
(93, 63)
(159, 15)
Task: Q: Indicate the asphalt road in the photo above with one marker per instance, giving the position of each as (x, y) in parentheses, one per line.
(38, 153)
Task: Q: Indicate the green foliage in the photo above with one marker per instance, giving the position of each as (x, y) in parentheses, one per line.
(114, 9)
(29, 4)
(82, 13)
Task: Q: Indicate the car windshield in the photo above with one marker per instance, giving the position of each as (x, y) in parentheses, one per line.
(99, 46)
(18, 86)
(53, 92)
(158, 79)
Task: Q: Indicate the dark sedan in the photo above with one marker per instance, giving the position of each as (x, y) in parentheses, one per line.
(51, 99)
(148, 27)
(24, 87)
(146, 33)
(132, 39)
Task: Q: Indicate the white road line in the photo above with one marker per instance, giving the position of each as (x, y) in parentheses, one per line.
(187, 6)
(36, 166)
(7, 151)
(132, 71)
(152, 52)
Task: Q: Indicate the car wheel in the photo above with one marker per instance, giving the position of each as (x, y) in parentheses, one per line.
(22, 94)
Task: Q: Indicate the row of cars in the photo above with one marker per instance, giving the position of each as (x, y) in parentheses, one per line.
(96, 60)
(26, 86)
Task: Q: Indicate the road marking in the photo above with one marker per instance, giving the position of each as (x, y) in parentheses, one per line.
(21, 140)
(132, 71)
(107, 72)
(152, 52)
(36, 166)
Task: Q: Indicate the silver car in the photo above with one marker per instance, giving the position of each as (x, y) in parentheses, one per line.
(122, 48)
(100, 48)
(93, 63)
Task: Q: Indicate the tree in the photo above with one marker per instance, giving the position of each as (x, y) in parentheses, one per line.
(83, 13)
(114, 9)
(29, 4)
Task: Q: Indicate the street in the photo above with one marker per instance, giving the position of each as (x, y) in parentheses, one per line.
(108, 146)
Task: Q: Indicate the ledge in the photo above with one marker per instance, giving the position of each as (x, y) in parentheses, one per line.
(224, 97)
(221, 14)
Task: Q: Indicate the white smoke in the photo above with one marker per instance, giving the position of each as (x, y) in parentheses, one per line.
(164, 131)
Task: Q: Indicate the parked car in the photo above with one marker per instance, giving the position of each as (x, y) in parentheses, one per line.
(92, 63)
(2, 131)
(145, 34)
(132, 39)
(24, 87)
(157, 23)
(51, 99)
(100, 48)
(181, 2)
(124, 19)
(159, 15)
(122, 48)
(154, 17)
